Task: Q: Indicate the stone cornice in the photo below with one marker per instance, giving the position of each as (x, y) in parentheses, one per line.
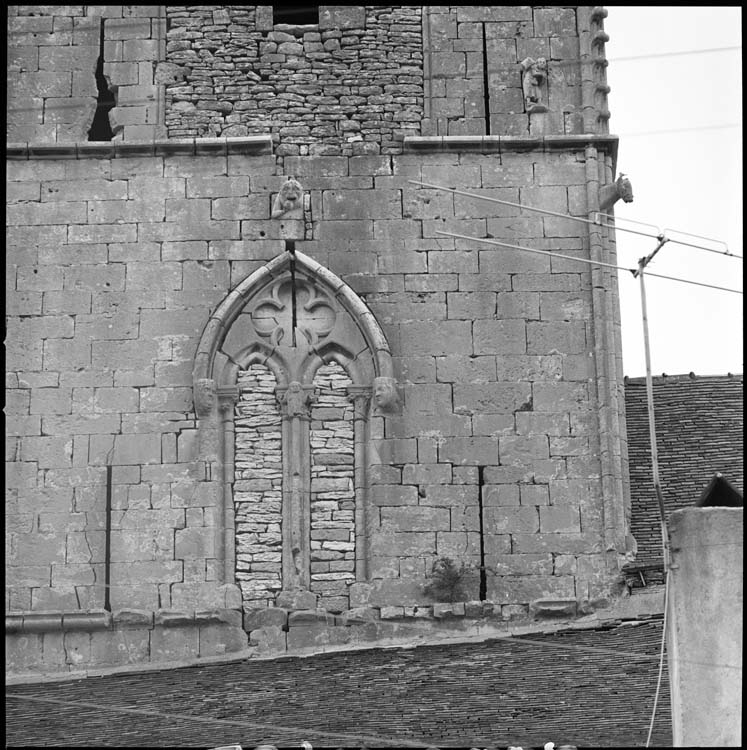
(253, 145)
(504, 143)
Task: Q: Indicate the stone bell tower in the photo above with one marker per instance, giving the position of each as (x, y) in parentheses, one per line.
(266, 370)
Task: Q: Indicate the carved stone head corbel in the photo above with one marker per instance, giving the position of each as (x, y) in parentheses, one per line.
(386, 396)
(288, 208)
(288, 202)
(205, 396)
(610, 194)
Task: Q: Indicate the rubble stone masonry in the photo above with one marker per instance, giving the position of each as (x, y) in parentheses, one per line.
(501, 449)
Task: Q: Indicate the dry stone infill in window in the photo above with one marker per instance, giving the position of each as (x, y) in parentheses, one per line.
(258, 488)
(332, 489)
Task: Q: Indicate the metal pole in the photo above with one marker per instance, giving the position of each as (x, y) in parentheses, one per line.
(651, 417)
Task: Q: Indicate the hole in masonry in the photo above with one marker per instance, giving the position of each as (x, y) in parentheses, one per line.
(101, 129)
(296, 15)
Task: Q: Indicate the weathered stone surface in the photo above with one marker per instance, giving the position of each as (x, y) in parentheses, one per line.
(119, 262)
(548, 608)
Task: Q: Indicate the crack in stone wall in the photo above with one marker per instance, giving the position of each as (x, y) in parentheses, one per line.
(332, 489)
(258, 488)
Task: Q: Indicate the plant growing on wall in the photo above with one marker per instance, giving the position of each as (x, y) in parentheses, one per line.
(446, 581)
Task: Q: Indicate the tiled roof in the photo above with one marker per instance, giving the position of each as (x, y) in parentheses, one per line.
(699, 427)
(591, 687)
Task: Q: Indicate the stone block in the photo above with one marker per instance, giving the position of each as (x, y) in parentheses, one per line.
(556, 338)
(269, 617)
(493, 425)
(500, 519)
(551, 608)
(174, 644)
(120, 647)
(554, 519)
(491, 398)
(194, 543)
(132, 573)
(169, 618)
(442, 610)
(521, 450)
(296, 600)
(524, 589)
(514, 611)
(77, 649)
(392, 613)
(406, 544)
(137, 449)
(534, 494)
(137, 619)
(439, 338)
(416, 519)
(388, 593)
(359, 615)
(215, 640)
(557, 397)
(569, 446)
(393, 451)
(461, 545)
(269, 640)
(447, 494)
(427, 474)
(313, 636)
(502, 564)
(557, 543)
(500, 337)
(342, 17)
(479, 451)
(303, 618)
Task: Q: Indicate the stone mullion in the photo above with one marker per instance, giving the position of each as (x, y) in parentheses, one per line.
(227, 398)
(361, 397)
(296, 509)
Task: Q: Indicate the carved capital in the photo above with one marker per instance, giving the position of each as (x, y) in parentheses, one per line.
(360, 397)
(295, 399)
(228, 395)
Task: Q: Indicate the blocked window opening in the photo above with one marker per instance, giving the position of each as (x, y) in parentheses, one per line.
(101, 129)
(332, 488)
(295, 15)
(258, 487)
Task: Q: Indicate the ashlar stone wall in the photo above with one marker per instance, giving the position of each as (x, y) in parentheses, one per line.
(494, 351)
(503, 447)
(61, 58)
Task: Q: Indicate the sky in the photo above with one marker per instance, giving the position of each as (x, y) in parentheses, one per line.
(679, 119)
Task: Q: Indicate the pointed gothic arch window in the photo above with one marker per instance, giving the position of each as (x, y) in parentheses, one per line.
(291, 356)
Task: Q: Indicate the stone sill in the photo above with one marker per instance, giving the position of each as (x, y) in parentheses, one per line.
(101, 619)
(253, 145)
(498, 143)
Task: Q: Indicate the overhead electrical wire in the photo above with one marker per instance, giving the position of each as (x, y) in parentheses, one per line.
(658, 236)
(679, 53)
(583, 260)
